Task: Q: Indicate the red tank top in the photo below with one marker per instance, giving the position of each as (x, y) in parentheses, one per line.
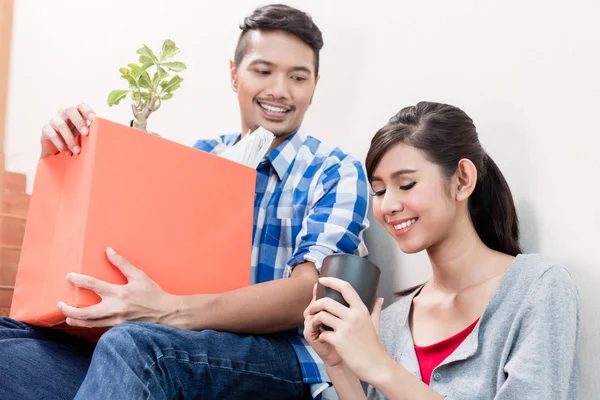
(431, 356)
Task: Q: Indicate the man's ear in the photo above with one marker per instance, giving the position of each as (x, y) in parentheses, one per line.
(233, 73)
(313, 95)
(466, 179)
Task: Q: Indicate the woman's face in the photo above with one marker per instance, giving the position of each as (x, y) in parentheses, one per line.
(411, 199)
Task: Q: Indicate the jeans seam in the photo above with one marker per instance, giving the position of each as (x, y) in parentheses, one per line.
(153, 365)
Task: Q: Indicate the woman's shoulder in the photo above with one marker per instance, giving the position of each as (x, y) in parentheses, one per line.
(395, 316)
(529, 269)
(533, 280)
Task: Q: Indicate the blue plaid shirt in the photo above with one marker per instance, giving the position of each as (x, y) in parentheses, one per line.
(311, 201)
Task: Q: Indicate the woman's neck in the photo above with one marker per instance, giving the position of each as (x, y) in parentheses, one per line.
(462, 260)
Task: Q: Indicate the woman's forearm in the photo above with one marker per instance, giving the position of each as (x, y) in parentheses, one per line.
(346, 384)
(396, 383)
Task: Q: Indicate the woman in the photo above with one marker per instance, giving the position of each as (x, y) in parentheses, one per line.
(491, 323)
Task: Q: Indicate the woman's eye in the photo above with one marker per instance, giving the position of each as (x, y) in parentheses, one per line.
(377, 193)
(409, 186)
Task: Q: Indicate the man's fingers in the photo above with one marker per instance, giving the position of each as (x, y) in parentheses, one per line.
(61, 126)
(76, 119)
(49, 134)
(123, 264)
(86, 111)
(95, 312)
(88, 282)
(96, 323)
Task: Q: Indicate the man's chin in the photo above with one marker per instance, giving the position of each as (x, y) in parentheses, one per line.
(281, 134)
(277, 131)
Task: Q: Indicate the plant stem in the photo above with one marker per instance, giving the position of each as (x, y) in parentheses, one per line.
(141, 115)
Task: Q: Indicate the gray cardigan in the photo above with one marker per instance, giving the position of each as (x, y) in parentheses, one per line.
(522, 348)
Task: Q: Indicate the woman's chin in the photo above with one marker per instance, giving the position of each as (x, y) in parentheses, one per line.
(409, 248)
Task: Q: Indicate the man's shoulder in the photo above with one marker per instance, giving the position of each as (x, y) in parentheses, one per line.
(216, 144)
(329, 155)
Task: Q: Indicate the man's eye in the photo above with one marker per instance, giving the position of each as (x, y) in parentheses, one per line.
(299, 78)
(262, 72)
(409, 186)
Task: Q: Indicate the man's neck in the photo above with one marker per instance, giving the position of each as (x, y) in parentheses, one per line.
(278, 139)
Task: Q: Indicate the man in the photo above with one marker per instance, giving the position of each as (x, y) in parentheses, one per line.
(311, 201)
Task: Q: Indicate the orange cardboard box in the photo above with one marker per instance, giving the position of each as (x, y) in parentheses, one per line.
(182, 215)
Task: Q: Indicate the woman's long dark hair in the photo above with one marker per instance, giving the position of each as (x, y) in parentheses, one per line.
(447, 135)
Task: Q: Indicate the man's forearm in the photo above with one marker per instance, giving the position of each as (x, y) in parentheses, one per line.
(268, 307)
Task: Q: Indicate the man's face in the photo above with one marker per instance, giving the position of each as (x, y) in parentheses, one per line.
(275, 82)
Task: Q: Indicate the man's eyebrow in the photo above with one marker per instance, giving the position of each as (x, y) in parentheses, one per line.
(302, 69)
(299, 68)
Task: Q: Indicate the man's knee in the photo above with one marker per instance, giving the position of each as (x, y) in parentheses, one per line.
(125, 337)
(9, 323)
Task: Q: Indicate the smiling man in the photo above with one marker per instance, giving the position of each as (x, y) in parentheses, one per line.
(311, 201)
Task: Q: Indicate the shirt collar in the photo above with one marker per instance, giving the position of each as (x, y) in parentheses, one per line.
(284, 154)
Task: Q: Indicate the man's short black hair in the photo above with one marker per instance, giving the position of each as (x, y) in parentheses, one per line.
(280, 17)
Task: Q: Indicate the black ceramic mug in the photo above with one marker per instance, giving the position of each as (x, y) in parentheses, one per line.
(360, 273)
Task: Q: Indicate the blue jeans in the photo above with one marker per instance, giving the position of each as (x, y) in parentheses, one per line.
(138, 360)
(38, 363)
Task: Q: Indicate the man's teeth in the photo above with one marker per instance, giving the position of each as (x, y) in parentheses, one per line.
(273, 109)
(405, 224)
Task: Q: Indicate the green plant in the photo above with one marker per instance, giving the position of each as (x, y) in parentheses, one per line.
(147, 92)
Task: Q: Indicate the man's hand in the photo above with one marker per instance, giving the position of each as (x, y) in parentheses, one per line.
(141, 299)
(61, 134)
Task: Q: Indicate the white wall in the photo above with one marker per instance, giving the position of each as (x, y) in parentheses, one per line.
(527, 72)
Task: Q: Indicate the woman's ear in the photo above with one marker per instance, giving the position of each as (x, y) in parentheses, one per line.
(466, 179)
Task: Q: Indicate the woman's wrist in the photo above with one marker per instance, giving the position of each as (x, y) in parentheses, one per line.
(338, 369)
(385, 371)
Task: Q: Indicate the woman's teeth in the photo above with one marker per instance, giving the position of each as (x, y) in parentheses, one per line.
(405, 224)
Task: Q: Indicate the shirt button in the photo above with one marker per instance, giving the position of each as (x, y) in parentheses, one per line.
(437, 376)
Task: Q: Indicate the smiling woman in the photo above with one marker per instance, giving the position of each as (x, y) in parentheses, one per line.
(487, 323)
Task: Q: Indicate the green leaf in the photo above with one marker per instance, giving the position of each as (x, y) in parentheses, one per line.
(176, 66)
(132, 82)
(145, 51)
(116, 96)
(163, 74)
(146, 60)
(172, 84)
(136, 70)
(169, 49)
(166, 96)
(126, 74)
(146, 66)
(145, 81)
